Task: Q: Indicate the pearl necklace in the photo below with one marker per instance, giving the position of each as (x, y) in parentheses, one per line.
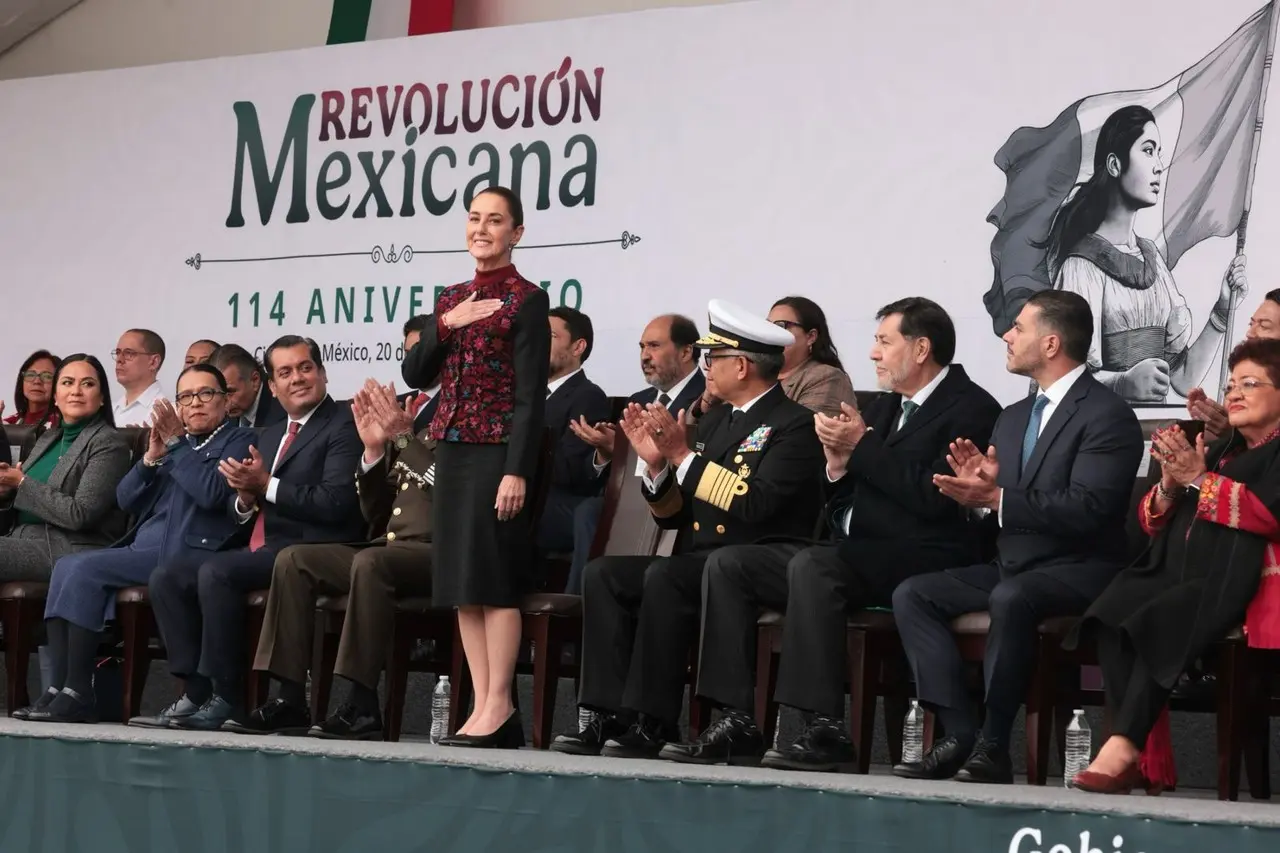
(209, 437)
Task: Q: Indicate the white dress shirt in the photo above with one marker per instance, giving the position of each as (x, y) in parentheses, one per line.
(137, 413)
(554, 384)
(653, 484)
(273, 485)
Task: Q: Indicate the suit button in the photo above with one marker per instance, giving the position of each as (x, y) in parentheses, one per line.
(404, 487)
(737, 460)
(695, 526)
(204, 541)
(391, 537)
(396, 511)
(719, 528)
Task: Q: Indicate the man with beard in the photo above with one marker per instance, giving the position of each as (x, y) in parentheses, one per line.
(669, 362)
(888, 522)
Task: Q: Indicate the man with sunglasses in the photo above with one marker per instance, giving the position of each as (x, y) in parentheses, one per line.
(752, 470)
(138, 356)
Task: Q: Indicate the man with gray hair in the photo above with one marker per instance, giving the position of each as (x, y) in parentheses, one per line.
(754, 470)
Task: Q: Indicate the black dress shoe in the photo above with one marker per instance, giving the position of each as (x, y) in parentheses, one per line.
(277, 717)
(732, 739)
(349, 723)
(509, 735)
(67, 707)
(39, 705)
(599, 728)
(988, 765)
(644, 739)
(943, 761)
(823, 746)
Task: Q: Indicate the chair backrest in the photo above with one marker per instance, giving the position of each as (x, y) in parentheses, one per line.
(613, 487)
(632, 531)
(616, 405)
(866, 398)
(19, 440)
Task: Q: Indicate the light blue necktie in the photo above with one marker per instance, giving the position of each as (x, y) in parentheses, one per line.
(1033, 429)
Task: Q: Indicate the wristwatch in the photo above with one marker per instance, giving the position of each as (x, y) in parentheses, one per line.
(402, 440)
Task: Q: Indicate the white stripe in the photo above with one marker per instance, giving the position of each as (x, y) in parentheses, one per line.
(1166, 104)
(388, 19)
(430, 476)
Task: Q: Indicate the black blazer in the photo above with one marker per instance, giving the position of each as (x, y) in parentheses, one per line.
(755, 479)
(1070, 505)
(316, 500)
(577, 397)
(423, 419)
(269, 411)
(889, 479)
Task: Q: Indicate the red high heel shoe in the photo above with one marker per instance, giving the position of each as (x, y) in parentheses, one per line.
(1101, 783)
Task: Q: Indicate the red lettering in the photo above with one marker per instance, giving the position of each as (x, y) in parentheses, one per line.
(331, 104)
(360, 100)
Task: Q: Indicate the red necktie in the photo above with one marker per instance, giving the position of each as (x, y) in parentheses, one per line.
(258, 539)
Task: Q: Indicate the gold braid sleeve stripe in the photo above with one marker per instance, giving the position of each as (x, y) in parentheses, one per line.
(667, 505)
(718, 486)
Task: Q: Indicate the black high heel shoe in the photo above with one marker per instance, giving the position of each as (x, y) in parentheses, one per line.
(509, 735)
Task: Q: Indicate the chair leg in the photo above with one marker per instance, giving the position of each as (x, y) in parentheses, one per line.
(1231, 695)
(138, 625)
(17, 620)
(1040, 701)
(257, 683)
(896, 708)
(699, 710)
(1257, 729)
(766, 709)
(546, 675)
(862, 697)
(397, 677)
(929, 730)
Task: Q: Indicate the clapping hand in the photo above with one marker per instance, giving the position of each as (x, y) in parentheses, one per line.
(1211, 412)
(974, 482)
(670, 435)
(393, 418)
(10, 477)
(601, 437)
(249, 478)
(839, 436)
(1181, 462)
(637, 431)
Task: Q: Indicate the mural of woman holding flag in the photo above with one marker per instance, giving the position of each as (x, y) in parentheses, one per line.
(1142, 340)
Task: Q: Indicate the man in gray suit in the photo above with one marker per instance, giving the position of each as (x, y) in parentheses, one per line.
(1057, 477)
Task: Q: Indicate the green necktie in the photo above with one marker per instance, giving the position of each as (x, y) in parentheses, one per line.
(908, 409)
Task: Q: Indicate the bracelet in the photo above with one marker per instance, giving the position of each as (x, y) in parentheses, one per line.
(156, 464)
(1165, 494)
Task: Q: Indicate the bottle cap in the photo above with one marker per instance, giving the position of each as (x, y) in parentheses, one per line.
(1078, 711)
(445, 679)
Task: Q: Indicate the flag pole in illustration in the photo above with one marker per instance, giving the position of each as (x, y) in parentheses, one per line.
(1209, 119)
(1248, 190)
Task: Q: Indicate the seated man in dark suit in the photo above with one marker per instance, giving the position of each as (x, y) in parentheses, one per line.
(1058, 475)
(669, 362)
(571, 397)
(889, 523)
(394, 481)
(424, 404)
(298, 488)
(249, 399)
(754, 472)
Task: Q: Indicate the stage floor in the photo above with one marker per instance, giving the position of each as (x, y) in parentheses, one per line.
(295, 791)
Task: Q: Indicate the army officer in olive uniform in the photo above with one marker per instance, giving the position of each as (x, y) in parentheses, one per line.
(754, 470)
(394, 482)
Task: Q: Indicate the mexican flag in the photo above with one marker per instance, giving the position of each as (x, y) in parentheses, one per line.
(364, 20)
(1210, 120)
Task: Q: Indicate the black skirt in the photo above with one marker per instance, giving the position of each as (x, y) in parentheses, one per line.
(478, 560)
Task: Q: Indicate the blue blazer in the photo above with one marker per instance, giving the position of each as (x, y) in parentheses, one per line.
(201, 504)
(316, 500)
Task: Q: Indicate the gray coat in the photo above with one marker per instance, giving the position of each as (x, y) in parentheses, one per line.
(78, 503)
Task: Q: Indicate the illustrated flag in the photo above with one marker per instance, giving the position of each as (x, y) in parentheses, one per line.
(1207, 117)
(365, 20)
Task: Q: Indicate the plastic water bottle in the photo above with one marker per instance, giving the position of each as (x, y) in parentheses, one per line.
(1079, 747)
(913, 734)
(440, 710)
(584, 719)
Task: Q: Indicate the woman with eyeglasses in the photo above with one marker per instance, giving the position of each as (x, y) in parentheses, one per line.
(62, 499)
(1214, 563)
(812, 374)
(181, 505)
(33, 395)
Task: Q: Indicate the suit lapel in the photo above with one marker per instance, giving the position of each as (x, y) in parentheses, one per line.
(1063, 413)
(307, 434)
(72, 455)
(886, 416)
(42, 444)
(942, 398)
(689, 394)
(726, 436)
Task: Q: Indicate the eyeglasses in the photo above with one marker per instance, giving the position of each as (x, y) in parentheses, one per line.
(787, 324)
(204, 395)
(127, 354)
(707, 358)
(1248, 386)
(32, 376)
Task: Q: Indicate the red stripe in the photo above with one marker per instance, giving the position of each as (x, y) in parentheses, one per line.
(430, 16)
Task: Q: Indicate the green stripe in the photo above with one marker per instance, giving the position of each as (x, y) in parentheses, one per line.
(350, 21)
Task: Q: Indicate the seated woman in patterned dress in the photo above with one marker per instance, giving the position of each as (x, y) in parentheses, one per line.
(1214, 562)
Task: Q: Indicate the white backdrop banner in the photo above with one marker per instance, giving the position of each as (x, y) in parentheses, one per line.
(854, 153)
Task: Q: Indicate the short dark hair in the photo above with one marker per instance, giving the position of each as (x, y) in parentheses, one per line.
(288, 342)
(107, 413)
(924, 318)
(1273, 296)
(812, 319)
(768, 364)
(684, 333)
(153, 342)
(20, 404)
(212, 344)
(514, 206)
(1068, 315)
(579, 326)
(205, 368)
(416, 324)
(234, 355)
(1261, 351)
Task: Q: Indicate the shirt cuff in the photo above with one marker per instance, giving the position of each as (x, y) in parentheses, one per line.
(830, 479)
(241, 517)
(652, 485)
(273, 485)
(685, 465)
(1000, 510)
(365, 467)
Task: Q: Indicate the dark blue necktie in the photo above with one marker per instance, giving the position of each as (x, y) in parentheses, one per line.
(1033, 428)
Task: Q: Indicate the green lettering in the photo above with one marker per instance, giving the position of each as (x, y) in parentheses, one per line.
(587, 171)
(438, 206)
(491, 178)
(344, 301)
(266, 187)
(325, 183)
(316, 309)
(519, 153)
(415, 300)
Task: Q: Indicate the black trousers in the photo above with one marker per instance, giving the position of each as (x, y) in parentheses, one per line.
(639, 620)
(924, 606)
(1134, 698)
(198, 601)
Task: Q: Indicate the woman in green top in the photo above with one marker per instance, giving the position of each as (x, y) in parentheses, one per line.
(63, 498)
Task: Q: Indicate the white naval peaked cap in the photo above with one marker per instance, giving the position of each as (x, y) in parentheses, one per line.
(734, 327)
